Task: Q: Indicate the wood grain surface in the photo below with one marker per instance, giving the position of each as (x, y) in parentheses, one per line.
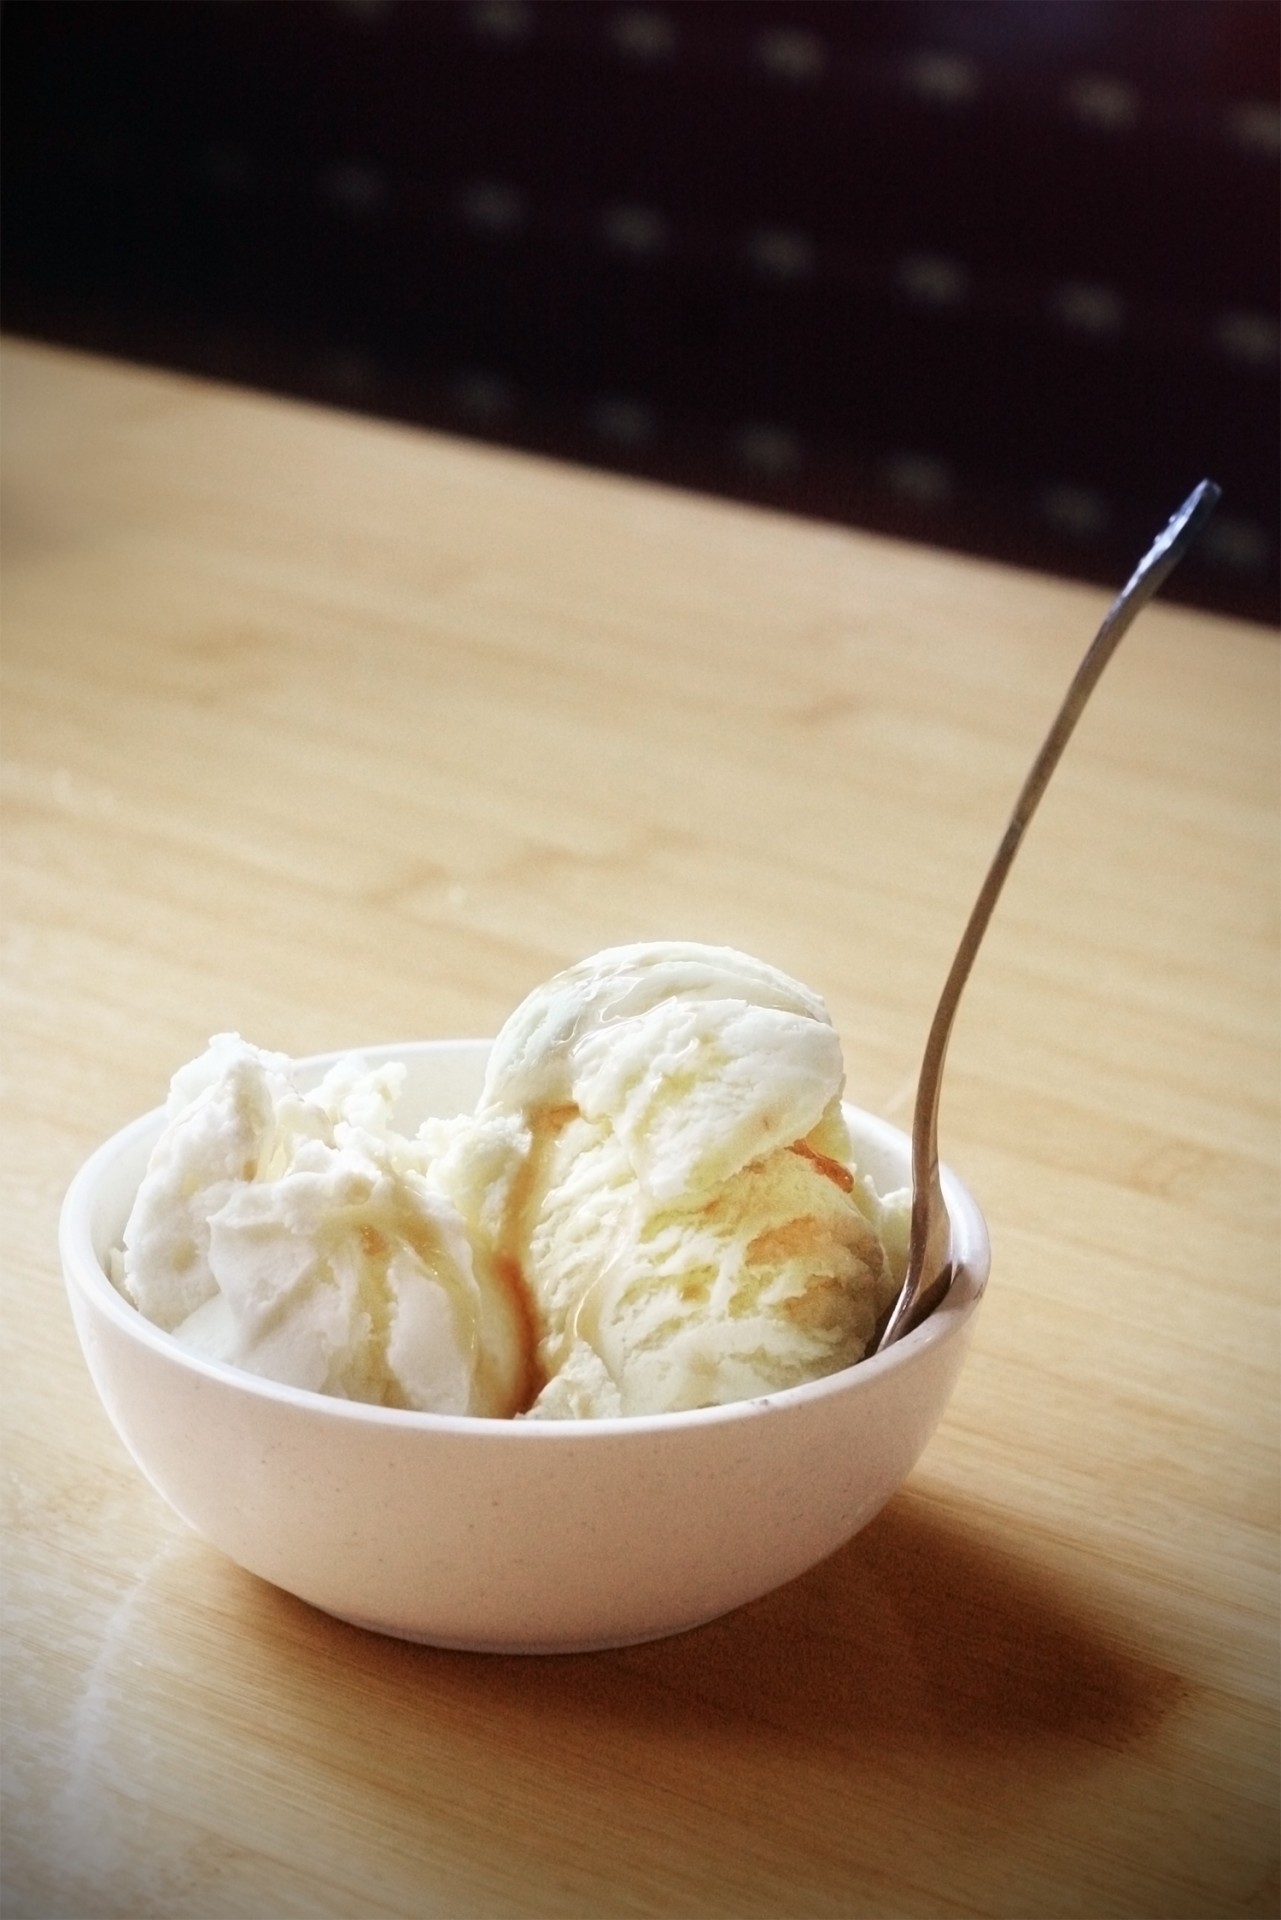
(334, 733)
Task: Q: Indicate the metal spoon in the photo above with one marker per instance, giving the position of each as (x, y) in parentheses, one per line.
(929, 1265)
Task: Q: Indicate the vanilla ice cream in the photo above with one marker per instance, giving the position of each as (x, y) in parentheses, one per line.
(681, 1201)
(297, 1235)
(653, 1207)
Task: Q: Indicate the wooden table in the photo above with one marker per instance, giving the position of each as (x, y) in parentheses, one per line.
(336, 733)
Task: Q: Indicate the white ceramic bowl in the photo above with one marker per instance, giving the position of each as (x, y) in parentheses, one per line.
(499, 1535)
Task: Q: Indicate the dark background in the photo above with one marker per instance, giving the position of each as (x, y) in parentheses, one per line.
(1000, 275)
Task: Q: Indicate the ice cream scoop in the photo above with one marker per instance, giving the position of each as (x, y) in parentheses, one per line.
(683, 1203)
(296, 1235)
(655, 1205)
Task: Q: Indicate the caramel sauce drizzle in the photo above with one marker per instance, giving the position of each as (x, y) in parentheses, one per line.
(832, 1169)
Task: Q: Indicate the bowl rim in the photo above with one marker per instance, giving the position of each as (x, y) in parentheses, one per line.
(85, 1275)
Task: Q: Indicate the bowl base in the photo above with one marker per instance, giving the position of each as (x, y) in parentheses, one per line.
(540, 1649)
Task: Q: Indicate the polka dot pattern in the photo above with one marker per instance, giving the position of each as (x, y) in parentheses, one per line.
(1000, 278)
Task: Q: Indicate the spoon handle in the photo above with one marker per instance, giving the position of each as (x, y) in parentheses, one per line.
(929, 1259)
